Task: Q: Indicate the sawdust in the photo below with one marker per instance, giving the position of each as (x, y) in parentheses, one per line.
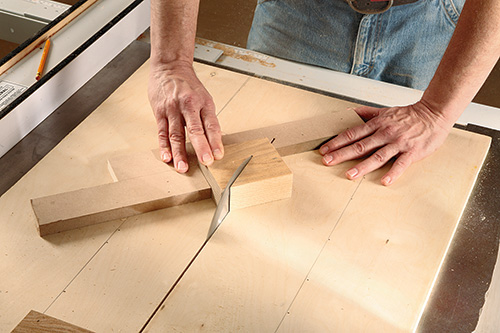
(234, 53)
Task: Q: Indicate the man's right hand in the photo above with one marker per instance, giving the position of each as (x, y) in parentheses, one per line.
(179, 99)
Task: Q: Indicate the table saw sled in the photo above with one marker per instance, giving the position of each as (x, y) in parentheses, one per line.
(302, 249)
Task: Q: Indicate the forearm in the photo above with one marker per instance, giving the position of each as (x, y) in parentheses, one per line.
(173, 30)
(471, 54)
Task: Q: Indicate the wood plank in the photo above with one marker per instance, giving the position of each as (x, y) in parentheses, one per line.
(381, 262)
(257, 259)
(288, 138)
(93, 205)
(149, 252)
(36, 322)
(266, 178)
(375, 273)
(36, 271)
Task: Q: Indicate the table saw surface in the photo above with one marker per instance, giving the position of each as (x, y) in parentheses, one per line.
(338, 255)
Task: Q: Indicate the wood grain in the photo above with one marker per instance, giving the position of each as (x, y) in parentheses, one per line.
(93, 205)
(380, 259)
(259, 256)
(153, 248)
(379, 266)
(266, 178)
(36, 322)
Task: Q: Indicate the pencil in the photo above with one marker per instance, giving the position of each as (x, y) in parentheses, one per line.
(42, 61)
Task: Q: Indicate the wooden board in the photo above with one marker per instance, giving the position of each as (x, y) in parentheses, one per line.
(381, 253)
(36, 272)
(113, 276)
(98, 204)
(36, 322)
(266, 177)
(259, 256)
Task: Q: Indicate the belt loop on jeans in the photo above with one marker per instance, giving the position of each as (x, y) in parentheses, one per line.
(367, 12)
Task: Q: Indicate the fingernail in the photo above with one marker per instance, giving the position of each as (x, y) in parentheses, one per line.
(218, 154)
(323, 150)
(166, 157)
(207, 159)
(386, 181)
(182, 166)
(327, 159)
(352, 173)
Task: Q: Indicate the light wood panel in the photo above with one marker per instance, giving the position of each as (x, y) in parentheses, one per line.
(114, 275)
(379, 265)
(36, 271)
(376, 270)
(264, 103)
(249, 272)
(149, 251)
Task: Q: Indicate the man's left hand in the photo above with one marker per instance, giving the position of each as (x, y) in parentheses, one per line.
(408, 134)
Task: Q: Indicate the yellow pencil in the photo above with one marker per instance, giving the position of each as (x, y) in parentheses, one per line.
(42, 61)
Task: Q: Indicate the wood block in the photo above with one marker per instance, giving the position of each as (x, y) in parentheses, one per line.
(266, 177)
(88, 206)
(36, 322)
(288, 138)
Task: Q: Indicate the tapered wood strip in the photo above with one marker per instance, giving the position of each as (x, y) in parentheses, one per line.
(265, 178)
(76, 209)
(288, 138)
(36, 322)
(301, 135)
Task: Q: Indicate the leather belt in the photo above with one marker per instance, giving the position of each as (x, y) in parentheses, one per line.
(375, 6)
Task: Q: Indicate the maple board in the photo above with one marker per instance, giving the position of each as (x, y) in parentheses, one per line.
(267, 267)
(266, 177)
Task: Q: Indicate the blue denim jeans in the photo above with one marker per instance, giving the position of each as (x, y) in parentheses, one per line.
(403, 45)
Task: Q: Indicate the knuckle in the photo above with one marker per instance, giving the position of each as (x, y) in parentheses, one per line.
(380, 157)
(389, 131)
(349, 134)
(359, 147)
(162, 135)
(403, 163)
(195, 130)
(176, 138)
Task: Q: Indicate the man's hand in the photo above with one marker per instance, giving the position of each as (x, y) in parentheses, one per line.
(407, 133)
(179, 99)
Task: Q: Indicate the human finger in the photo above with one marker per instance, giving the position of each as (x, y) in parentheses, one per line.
(378, 159)
(398, 168)
(356, 150)
(196, 133)
(163, 142)
(213, 130)
(346, 138)
(177, 142)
